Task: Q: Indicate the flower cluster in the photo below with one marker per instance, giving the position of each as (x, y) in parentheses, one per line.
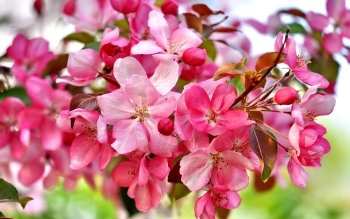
(155, 99)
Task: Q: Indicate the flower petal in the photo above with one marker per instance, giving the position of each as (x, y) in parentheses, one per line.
(165, 76)
(159, 28)
(146, 47)
(124, 68)
(83, 151)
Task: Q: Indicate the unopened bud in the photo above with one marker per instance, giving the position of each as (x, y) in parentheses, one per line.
(170, 7)
(38, 6)
(166, 126)
(69, 7)
(194, 56)
(286, 96)
(125, 6)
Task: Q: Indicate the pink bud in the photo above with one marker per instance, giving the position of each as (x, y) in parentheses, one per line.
(166, 126)
(38, 6)
(69, 7)
(194, 56)
(125, 6)
(170, 7)
(286, 96)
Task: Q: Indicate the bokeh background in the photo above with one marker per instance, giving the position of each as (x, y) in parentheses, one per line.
(328, 192)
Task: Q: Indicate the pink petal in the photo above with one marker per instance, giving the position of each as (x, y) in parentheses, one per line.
(223, 142)
(109, 36)
(165, 76)
(11, 106)
(18, 48)
(124, 173)
(102, 133)
(336, 8)
(141, 91)
(297, 173)
(148, 196)
(223, 97)
(83, 151)
(115, 106)
(294, 137)
(158, 167)
(198, 103)
(159, 28)
(317, 21)
(51, 135)
(308, 137)
(125, 67)
(4, 138)
(332, 42)
(37, 48)
(61, 99)
(230, 177)
(129, 135)
(205, 207)
(311, 78)
(234, 119)
(183, 39)
(229, 200)
(31, 172)
(143, 175)
(195, 170)
(237, 160)
(31, 118)
(159, 144)
(319, 105)
(146, 47)
(17, 148)
(106, 154)
(74, 81)
(39, 91)
(260, 27)
(278, 41)
(84, 64)
(163, 107)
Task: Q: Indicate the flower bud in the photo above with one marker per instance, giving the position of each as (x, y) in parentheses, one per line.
(69, 7)
(166, 126)
(170, 7)
(194, 56)
(125, 6)
(286, 96)
(38, 6)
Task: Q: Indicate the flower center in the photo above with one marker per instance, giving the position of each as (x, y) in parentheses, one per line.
(301, 62)
(174, 46)
(141, 112)
(10, 124)
(211, 116)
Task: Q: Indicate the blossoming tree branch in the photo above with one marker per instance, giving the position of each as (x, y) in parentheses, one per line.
(158, 103)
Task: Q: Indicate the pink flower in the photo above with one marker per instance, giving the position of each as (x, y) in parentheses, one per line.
(144, 176)
(113, 47)
(136, 108)
(339, 17)
(10, 132)
(298, 65)
(297, 173)
(90, 141)
(83, 67)
(214, 115)
(220, 165)
(206, 205)
(89, 15)
(30, 57)
(125, 6)
(41, 116)
(167, 44)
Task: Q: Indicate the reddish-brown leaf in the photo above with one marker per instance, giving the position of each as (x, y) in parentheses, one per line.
(193, 22)
(203, 10)
(268, 60)
(261, 186)
(225, 29)
(83, 101)
(294, 12)
(264, 145)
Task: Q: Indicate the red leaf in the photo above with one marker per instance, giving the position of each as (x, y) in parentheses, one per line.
(268, 60)
(193, 22)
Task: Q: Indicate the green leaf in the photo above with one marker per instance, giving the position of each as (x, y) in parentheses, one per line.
(18, 92)
(237, 83)
(24, 201)
(209, 46)
(293, 27)
(178, 191)
(81, 37)
(264, 145)
(93, 45)
(8, 193)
